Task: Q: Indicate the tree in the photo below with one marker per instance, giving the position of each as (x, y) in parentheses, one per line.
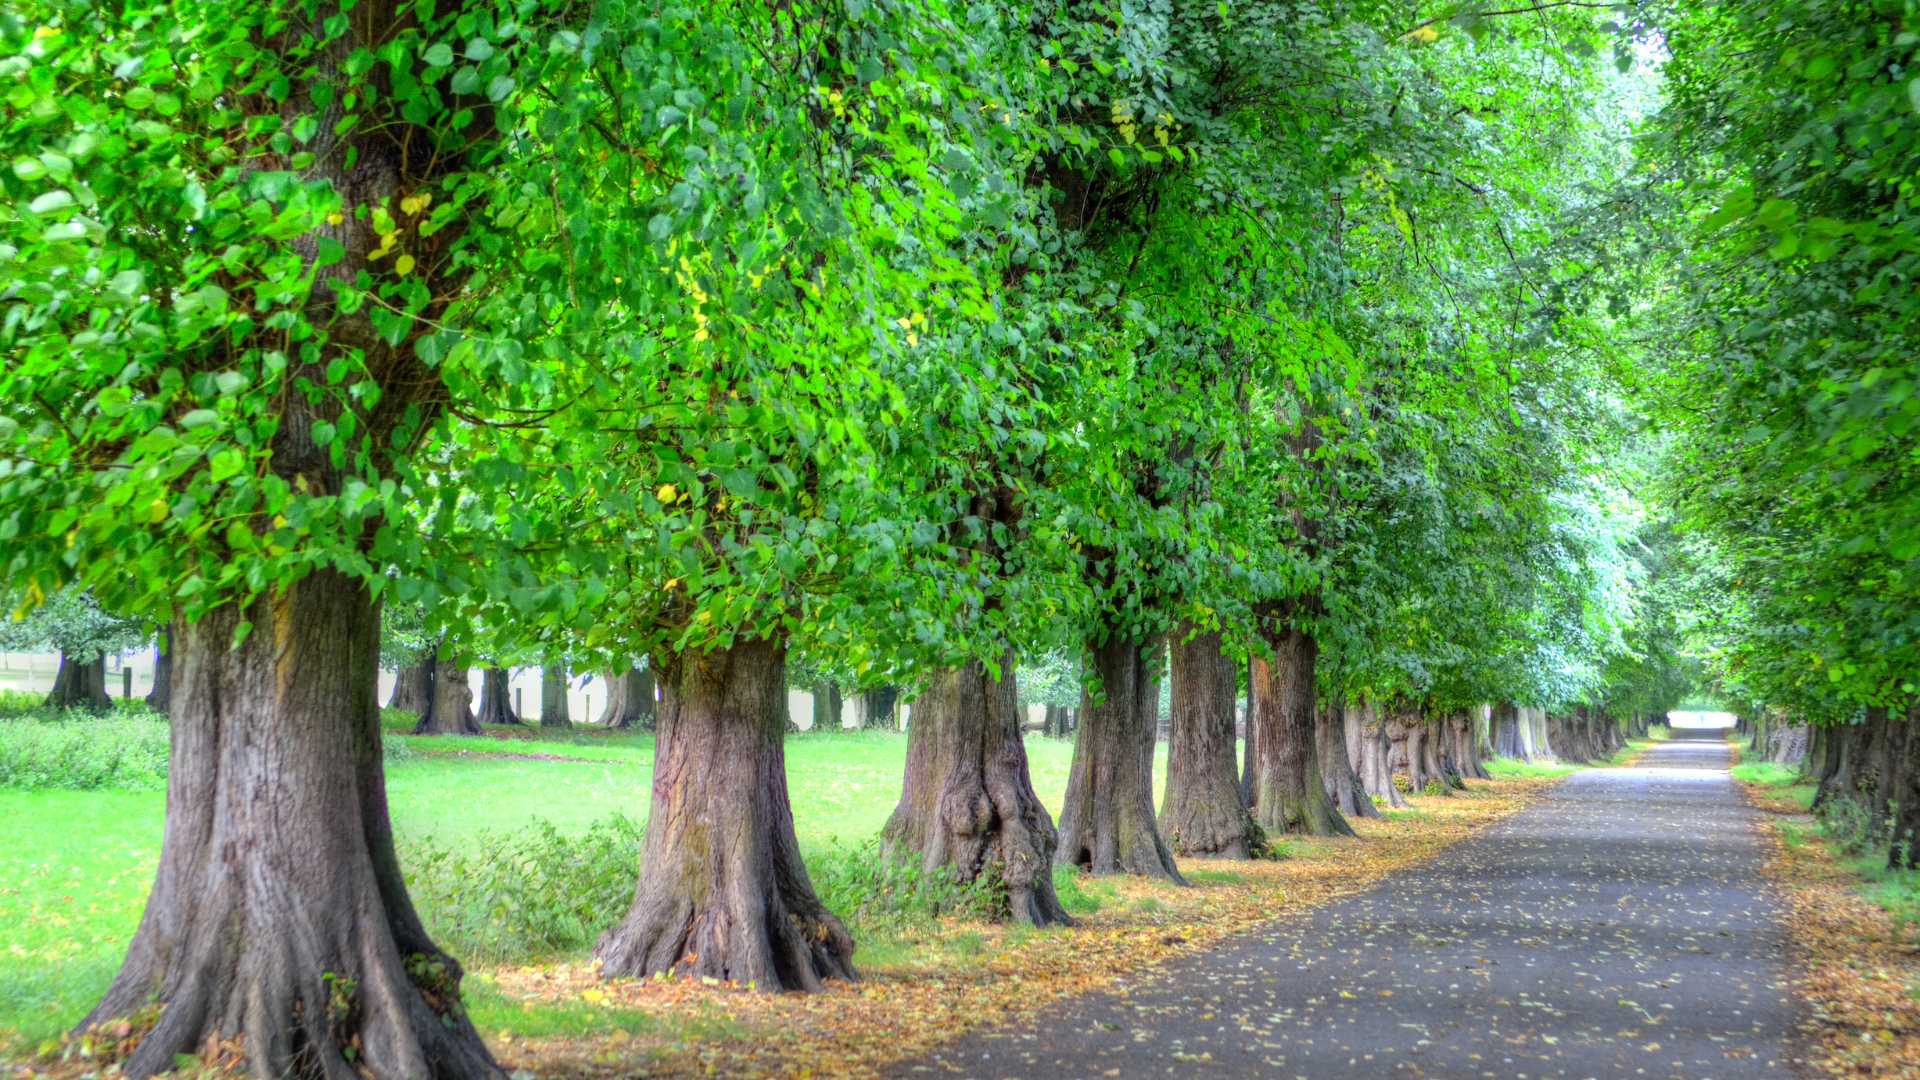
(272, 207)
(553, 696)
(73, 623)
(630, 700)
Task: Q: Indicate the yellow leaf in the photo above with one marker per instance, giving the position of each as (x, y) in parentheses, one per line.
(413, 204)
(1425, 35)
(596, 997)
(336, 218)
(403, 265)
(665, 493)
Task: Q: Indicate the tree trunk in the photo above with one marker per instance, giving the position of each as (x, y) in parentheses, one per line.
(452, 710)
(1250, 753)
(1290, 797)
(630, 705)
(278, 917)
(160, 698)
(553, 697)
(496, 699)
(1337, 771)
(967, 807)
(1375, 754)
(1881, 767)
(413, 688)
(826, 707)
(1465, 745)
(876, 709)
(1506, 732)
(722, 891)
(1107, 824)
(1837, 764)
(80, 684)
(1202, 812)
(1903, 851)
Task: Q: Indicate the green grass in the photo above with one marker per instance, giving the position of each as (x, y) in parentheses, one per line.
(1515, 769)
(76, 865)
(1895, 891)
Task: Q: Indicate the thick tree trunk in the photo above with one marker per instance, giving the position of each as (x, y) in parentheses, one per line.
(1506, 732)
(1881, 768)
(1375, 755)
(1107, 824)
(1202, 812)
(967, 807)
(160, 698)
(1541, 735)
(1290, 797)
(452, 710)
(496, 699)
(413, 688)
(1839, 766)
(877, 708)
(553, 697)
(1903, 851)
(1437, 745)
(722, 890)
(630, 705)
(1465, 746)
(1337, 770)
(278, 917)
(826, 707)
(80, 684)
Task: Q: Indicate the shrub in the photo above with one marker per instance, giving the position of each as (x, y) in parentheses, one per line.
(127, 748)
(123, 749)
(525, 895)
(865, 885)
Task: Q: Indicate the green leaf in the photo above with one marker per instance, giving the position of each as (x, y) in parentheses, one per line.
(438, 55)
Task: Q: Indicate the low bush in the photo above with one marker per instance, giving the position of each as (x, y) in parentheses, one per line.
(526, 895)
(126, 748)
(864, 885)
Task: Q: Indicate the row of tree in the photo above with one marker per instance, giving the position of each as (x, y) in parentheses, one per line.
(1783, 341)
(897, 338)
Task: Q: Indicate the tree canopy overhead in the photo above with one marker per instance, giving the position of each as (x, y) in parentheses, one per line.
(1331, 356)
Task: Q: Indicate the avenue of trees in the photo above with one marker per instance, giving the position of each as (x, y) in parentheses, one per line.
(1788, 321)
(899, 347)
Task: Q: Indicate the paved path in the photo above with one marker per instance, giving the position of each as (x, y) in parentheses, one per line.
(1616, 928)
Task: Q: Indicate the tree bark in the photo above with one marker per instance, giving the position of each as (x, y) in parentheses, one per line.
(1881, 767)
(826, 707)
(967, 806)
(630, 705)
(722, 890)
(1289, 795)
(1202, 812)
(160, 698)
(553, 697)
(1107, 824)
(452, 710)
(1839, 777)
(1337, 759)
(80, 684)
(1375, 755)
(278, 917)
(1903, 849)
(1250, 751)
(413, 688)
(496, 699)
(876, 709)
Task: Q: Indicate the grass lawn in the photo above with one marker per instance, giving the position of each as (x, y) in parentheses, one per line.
(76, 866)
